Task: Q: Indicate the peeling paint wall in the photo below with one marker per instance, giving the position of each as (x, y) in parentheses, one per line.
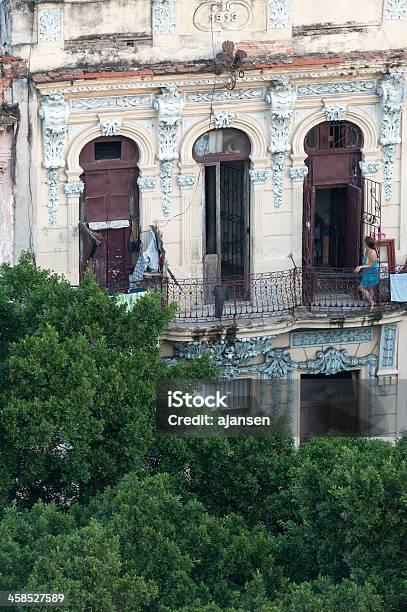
(117, 32)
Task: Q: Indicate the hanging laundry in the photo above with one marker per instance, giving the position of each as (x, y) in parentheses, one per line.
(398, 287)
(139, 270)
(222, 294)
(151, 255)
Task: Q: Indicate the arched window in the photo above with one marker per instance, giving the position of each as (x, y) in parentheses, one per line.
(333, 135)
(224, 144)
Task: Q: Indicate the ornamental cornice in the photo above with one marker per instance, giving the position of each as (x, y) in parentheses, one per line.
(252, 79)
(277, 363)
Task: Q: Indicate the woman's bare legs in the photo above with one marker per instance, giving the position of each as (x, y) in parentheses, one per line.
(368, 295)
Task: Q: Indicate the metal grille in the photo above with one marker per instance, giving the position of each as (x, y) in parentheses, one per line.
(232, 219)
(329, 136)
(372, 208)
(108, 150)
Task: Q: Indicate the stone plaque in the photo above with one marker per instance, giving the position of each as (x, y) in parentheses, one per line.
(218, 16)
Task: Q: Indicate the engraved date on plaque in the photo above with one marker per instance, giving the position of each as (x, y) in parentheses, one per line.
(217, 16)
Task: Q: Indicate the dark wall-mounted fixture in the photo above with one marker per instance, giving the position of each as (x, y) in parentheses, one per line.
(229, 60)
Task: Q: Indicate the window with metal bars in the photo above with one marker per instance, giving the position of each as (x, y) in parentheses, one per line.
(333, 136)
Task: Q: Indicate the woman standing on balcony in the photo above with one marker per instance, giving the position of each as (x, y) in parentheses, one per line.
(370, 271)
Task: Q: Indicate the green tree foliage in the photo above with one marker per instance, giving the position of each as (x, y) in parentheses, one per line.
(78, 379)
(95, 505)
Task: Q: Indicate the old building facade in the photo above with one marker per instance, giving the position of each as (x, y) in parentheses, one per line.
(262, 177)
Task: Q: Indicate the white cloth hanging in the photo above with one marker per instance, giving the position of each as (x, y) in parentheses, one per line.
(150, 255)
(398, 287)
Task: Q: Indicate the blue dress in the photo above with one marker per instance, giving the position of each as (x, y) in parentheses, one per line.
(370, 276)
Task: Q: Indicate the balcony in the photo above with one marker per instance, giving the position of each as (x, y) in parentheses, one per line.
(296, 293)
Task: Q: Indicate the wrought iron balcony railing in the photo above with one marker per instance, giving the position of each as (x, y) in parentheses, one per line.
(273, 294)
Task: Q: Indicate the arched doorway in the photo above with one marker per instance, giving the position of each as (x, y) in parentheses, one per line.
(109, 206)
(333, 196)
(226, 243)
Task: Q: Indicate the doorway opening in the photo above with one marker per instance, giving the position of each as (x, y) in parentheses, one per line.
(337, 227)
(231, 223)
(225, 154)
(109, 206)
(333, 219)
(330, 405)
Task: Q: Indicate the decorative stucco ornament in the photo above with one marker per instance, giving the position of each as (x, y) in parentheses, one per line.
(219, 15)
(74, 189)
(225, 95)
(392, 90)
(336, 88)
(278, 14)
(388, 347)
(332, 361)
(166, 187)
(164, 19)
(259, 176)
(223, 119)
(146, 183)
(49, 25)
(394, 9)
(230, 356)
(277, 365)
(83, 104)
(277, 166)
(169, 105)
(318, 337)
(52, 182)
(110, 127)
(298, 173)
(54, 113)
(335, 112)
(186, 181)
(281, 98)
(370, 168)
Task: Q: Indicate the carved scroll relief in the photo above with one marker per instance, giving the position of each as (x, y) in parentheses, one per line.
(169, 106)
(54, 113)
(392, 90)
(281, 99)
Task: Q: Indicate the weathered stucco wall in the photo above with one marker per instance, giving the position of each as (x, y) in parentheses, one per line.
(114, 32)
(276, 221)
(6, 197)
(131, 67)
